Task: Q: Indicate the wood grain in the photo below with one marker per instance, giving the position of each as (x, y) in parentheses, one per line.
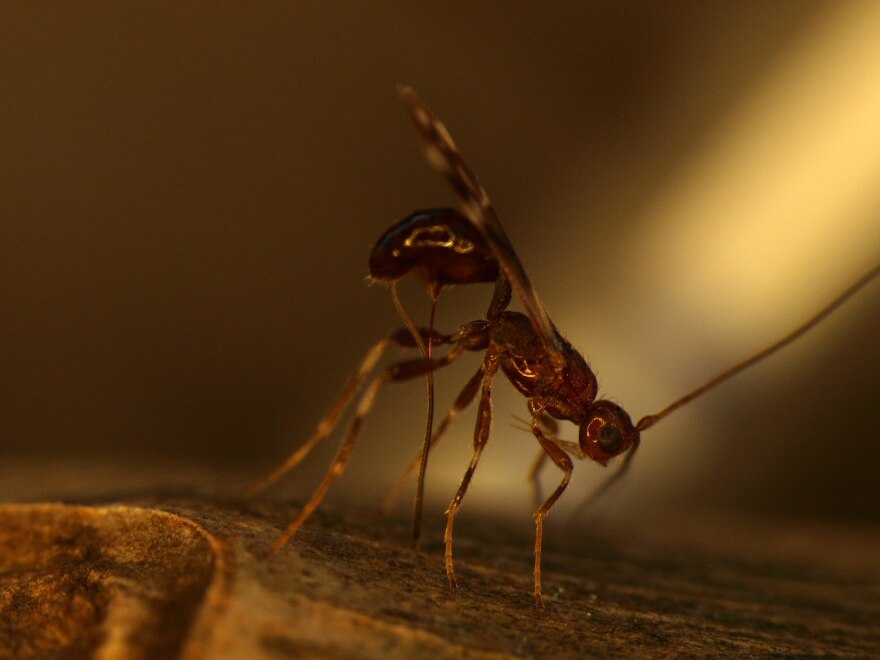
(191, 578)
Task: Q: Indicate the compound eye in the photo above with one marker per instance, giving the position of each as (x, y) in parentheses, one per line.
(610, 439)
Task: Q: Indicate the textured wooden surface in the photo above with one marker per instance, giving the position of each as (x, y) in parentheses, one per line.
(190, 578)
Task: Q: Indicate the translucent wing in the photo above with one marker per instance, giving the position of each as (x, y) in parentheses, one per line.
(443, 155)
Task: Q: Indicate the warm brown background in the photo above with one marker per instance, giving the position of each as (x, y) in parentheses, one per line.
(189, 192)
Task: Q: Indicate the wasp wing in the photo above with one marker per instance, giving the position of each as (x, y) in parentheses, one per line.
(443, 155)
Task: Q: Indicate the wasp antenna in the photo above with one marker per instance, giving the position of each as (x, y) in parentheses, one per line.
(649, 420)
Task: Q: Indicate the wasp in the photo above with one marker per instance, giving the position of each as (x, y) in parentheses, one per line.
(446, 247)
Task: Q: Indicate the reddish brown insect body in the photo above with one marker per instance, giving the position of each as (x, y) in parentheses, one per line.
(441, 245)
(446, 248)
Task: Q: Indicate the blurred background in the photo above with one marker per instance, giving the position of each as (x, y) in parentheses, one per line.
(189, 193)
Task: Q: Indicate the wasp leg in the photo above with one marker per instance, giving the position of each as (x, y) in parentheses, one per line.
(532, 477)
(563, 462)
(395, 373)
(606, 485)
(481, 435)
(462, 401)
(401, 337)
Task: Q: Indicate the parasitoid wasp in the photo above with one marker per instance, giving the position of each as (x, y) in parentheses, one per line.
(447, 247)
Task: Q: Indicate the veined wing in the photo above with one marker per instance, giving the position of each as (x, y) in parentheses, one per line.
(443, 155)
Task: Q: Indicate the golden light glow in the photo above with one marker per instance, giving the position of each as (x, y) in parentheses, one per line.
(779, 210)
(773, 214)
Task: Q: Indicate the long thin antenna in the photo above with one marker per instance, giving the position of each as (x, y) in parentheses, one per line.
(649, 420)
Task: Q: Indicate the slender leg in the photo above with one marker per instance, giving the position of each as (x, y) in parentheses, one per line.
(552, 429)
(429, 427)
(481, 435)
(603, 488)
(397, 372)
(400, 337)
(563, 462)
(532, 477)
(325, 426)
(462, 401)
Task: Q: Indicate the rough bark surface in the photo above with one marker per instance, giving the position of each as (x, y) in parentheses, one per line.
(192, 579)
